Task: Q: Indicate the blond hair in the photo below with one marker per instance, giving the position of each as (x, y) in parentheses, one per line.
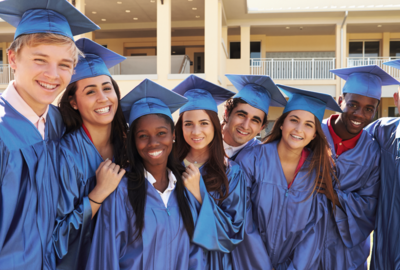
(36, 39)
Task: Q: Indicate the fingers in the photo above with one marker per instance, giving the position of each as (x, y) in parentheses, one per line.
(104, 163)
(185, 176)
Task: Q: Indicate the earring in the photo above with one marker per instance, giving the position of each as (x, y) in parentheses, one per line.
(173, 141)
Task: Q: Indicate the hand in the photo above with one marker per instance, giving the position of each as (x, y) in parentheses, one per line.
(321, 188)
(191, 180)
(108, 176)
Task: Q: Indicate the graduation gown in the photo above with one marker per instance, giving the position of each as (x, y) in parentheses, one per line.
(386, 245)
(249, 144)
(79, 160)
(347, 243)
(219, 228)
(164, 244)
(285, 228)
(28, 189)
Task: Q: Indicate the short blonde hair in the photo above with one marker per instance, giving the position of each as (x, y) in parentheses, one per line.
(37, 39)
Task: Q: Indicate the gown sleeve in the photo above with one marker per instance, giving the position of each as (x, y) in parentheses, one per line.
(356, 219)
(223, 223)
(110, 237)
(72, 232)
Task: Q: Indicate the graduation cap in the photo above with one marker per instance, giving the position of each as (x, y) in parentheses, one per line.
(258, 91)
(394, 63)
(313, 102)
(202, 95)
(96, 62)
(365, 80)
(150, 98)
(45, 16)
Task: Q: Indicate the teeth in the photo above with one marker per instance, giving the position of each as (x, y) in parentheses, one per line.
(48, 86)
(356, 123)
(103, 110)
(197, 140)
(241, 132)
(297, 137)
(154, 154)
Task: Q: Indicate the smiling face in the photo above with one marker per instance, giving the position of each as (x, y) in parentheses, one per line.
(41, 73)
(244, 123)
(154, 139)
(96, 100)
(298, 129)
(197, 129)
(358, 112)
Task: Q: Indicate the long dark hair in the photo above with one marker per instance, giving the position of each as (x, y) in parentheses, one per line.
(215, 177)
(73, 121)
(321, 161)
(137, 188)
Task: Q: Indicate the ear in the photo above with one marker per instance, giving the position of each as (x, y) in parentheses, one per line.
(315, 135)
(226, 116)
(173, 136)
(12, 57)
(73, 103)
(341, 98)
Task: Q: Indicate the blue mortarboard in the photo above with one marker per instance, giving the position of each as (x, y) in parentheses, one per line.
(365, 80)
(202, 95)
(150, 98)
(394, 63)
(309, 101)
(258, 91)
(96, 62)
(45, 16)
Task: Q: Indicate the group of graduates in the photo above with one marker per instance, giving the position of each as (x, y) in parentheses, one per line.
(101, 182)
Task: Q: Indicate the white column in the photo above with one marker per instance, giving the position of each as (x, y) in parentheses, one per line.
(245, 48)
(163, 39)
(212, 39)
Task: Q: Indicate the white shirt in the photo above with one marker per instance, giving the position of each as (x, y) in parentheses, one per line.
(12, 96)
(232, 150)
(171, 185)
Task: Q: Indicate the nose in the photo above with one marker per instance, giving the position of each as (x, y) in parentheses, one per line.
(153, 142)
(101, 97)
(246, 123)
(196, 130)
(51, 72)
(359, 113)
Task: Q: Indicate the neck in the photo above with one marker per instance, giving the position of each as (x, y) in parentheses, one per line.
(288, 154)
(101, 137)
(226, 136)
(340, 129)
(38, 108)
(198, 155)
(158, 172)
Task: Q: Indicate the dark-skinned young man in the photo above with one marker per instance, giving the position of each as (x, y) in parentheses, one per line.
(356, 157)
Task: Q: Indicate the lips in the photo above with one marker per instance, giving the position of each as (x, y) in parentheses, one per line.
(155, 154)
(356, 123)
(296, 137)
(197, 140)
(103, 110)
(47, 86)
(242, 132)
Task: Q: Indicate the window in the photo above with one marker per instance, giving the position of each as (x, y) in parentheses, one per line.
(234, 50)
(255, 49)
(395, 49)
(364, 49)
(1, 57)
(393, 112)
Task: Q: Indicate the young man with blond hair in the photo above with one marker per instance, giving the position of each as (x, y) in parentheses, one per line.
(42, 55)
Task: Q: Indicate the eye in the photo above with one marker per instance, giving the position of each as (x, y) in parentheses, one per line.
(89, 92)
(66, 66)
(204, 123)
(142, 136)
(40, 60)
(107, 89)
(293, 120)
(311, 126)
(188, 124)
(161, 133)
(241, 115)
(256, 121)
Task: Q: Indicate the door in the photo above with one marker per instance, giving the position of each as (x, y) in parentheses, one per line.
(198, 62)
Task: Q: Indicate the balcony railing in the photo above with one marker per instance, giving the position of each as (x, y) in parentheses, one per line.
(137, 65)
(6, 74)
(294, 68)
(363, 61)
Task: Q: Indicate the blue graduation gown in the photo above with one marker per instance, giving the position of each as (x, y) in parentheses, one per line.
(29, 189)
(386, 245)
(79, 160)
(219, 228)
(164, 244)
(249, 144)
(347, 243)
(285, 228)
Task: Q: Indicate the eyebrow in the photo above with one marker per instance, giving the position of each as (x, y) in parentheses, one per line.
(299, 118)
(93, 85)
(202, 120)
(241, 111)
(144, 130)
(46, 56)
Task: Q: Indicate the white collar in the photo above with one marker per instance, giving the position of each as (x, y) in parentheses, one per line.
(152, 180)
(234, 149)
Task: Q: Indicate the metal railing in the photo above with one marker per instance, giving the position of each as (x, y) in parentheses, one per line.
(294, 68)
(363, 61)
(6, 74)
